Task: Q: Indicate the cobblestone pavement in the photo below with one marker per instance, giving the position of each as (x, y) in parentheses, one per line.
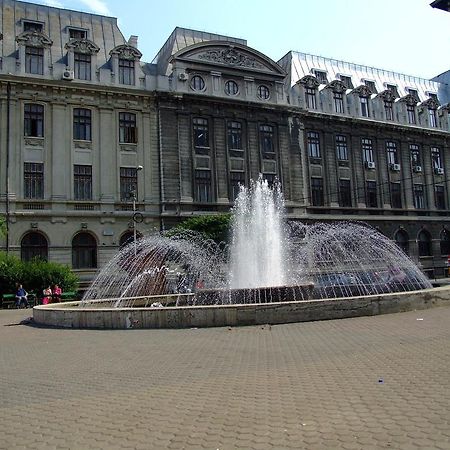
(365, 383)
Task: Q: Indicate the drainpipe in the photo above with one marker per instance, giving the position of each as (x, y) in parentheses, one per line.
(8, 145)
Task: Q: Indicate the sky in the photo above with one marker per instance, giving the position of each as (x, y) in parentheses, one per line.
(405, 36)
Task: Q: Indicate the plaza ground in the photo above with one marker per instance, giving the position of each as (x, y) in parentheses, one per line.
(364, 383)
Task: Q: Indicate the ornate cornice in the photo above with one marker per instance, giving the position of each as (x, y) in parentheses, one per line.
(231, 57)
(431, 103)
(337, 86)
(126, 52)
(387, 95)
(362, 91)
(409, 99)
(34, 39)
(309, 81)
(82, 46)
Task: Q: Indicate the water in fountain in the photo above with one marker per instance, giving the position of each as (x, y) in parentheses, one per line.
(268, 261)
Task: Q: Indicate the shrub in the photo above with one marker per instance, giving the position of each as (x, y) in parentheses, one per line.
(215, 227)
(35, 275)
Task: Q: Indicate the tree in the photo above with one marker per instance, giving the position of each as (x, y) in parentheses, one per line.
(215, 227)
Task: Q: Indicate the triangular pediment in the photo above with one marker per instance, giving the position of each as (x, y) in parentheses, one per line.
(232, 55)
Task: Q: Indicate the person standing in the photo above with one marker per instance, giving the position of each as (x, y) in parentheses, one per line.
(21, 297)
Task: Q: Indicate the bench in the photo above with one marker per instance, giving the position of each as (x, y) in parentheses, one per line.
(9, 300)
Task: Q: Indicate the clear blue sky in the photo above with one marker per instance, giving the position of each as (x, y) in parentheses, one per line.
(406, 36)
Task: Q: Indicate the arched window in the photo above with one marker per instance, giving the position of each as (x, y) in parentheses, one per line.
(33, 245)
(402, 240)
(445, 242)
(424, 243)
(84, 251)
(128, 238)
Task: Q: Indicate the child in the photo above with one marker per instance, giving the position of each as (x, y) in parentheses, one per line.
(47, 296)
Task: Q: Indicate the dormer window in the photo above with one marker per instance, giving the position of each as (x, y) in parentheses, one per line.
(347, 81)
(80, 57)
(414, 93)
(364, 102)
(34, 60)
(310, 97)
(126, 72)
(393, 88)
(32, 49)
(33, 26)
(77, 33)
(432, 95)
(321, 76)
(371, 85)
(432, 117)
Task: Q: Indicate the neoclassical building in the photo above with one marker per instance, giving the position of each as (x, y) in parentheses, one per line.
(96, 144)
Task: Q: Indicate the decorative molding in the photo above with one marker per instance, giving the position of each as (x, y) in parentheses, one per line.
(309, 81)
(128, 147)
(82, 46)
(387, 95)
(83, 145)
(445, 107)
(409, 99)
(34, 39)
(362, 91)
(231, 57)
(34, 142)
(337, 86)
(126, 52)
(431, 103)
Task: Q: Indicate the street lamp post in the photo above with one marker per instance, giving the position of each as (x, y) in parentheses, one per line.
(133, 193)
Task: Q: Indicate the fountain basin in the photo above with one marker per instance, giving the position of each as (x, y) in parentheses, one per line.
(101, 315)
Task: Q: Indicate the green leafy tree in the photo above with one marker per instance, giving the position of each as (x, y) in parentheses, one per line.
(215, 227)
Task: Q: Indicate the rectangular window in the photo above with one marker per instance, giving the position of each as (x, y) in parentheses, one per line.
(82, 182)
(321, 76)
(34, 60)
(414, 152)
(439, 194)
(126, 71)
(346, 81)
(364, 102)
(436, 158)
(82, 124)
(237, 179)
(411, 112)
(75, 33)
(34, 180)
(432, 117)
(371, 85)
(203, 186)
(234, 139)
(266, 133)
(414, 94)
(341, 148)
(313, 142)
(82, 66)
(200, 134)
(419, 200)
(33, 120)
(389, 110)
(33, 26)
(338, 102)
(345, 193)
(396, 195)
(128, 183)
(367, 149)
(127, 128)
(393, 89)
(317, 197)
(310, 94)
(371, 194)
(392, 154)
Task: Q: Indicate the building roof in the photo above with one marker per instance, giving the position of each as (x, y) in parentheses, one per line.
(441, 4)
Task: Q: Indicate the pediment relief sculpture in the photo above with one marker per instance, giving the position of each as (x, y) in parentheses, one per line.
(387, 95)
(362, 91)
(126, 52)
(409, 99)
(34, 39)
(337, 86)
(431, 103)
(82, 46)
(309, 82)
(230, 57)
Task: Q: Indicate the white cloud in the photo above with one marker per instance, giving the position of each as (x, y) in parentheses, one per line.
(54, 3)
(97, 6)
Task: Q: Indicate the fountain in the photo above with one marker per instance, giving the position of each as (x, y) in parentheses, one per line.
(271, 270)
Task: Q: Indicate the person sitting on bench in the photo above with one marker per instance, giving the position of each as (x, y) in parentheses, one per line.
(21, 297)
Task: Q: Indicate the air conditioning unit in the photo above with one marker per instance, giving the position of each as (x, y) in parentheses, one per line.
(68, 75)
(417, 169)
(395, 167)
(439, 171)
(370, 164)
(183, 76)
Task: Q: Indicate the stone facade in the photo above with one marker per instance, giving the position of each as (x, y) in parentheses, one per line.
(80, 113)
